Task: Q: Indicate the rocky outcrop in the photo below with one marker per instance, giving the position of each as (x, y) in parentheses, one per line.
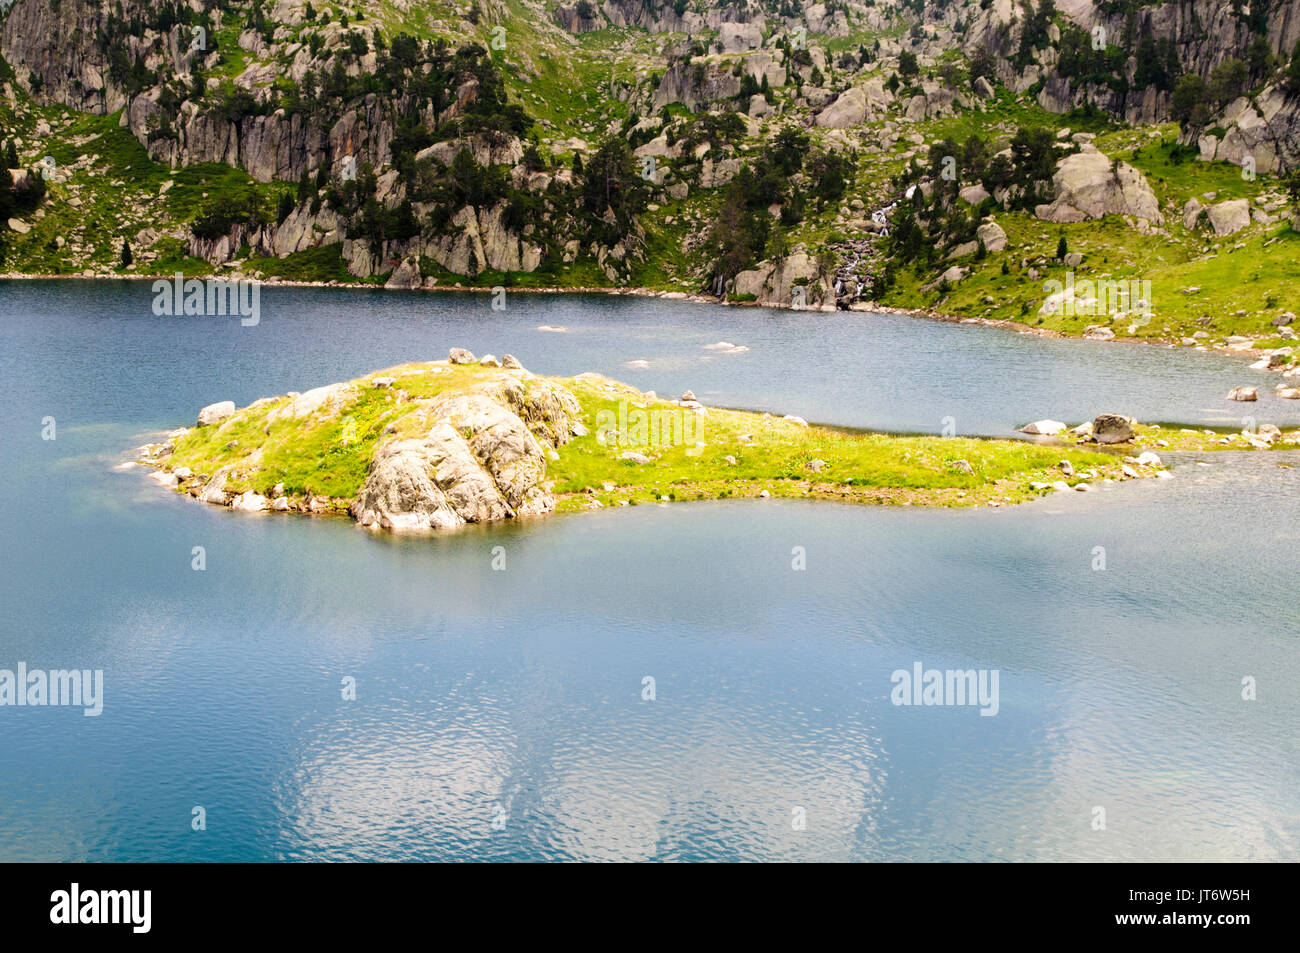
(482, 458)
(855, 106)
(793, 282)
(1089, 185)
(1229, 217)
(474, 453)
(693, 84)
(479, 241)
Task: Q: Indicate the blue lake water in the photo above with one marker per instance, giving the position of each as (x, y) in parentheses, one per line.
(499, 714)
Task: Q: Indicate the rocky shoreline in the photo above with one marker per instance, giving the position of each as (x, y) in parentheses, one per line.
(864, 307)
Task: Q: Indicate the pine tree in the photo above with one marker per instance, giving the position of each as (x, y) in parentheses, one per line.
(1062, 249)
(127, 257)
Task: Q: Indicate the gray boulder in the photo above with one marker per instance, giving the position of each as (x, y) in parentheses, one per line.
(1113, 428)
(215, 413)
(1229, 217)
(1089, 185)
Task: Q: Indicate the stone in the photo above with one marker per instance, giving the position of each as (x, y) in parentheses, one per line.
(1226, 218)
(511, 362)
(215, 413)
(1148, 459)
(1243, 394)
(992, 235)
(1113, 428)
(458, 355)
(489, 360)
(1045, 427)
(1088, 185)
(215, 489)
(634, 457)
(963, 466)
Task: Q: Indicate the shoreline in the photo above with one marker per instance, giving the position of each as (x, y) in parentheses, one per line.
(1004, 324)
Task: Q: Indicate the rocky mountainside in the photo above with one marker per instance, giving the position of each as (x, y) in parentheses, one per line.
(810, 157)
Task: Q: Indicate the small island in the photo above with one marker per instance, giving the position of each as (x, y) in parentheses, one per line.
(436, 445)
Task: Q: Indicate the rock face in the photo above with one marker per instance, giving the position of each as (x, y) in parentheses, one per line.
(1089, 185)
(793, 282)
(1229, 217)
(1112, 428)
(482, 458)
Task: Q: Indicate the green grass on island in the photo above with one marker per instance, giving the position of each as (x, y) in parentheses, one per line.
(716, 454)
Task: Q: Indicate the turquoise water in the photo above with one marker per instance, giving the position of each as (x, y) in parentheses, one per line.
(499, 714)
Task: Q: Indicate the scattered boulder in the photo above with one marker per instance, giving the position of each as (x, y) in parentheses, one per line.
(1113, 428)
(511, 362)
(458, 355)
(250, 502)
(1089, 185)
(215, 413)
(992, 235)
(1229, 217)
(1243, 393)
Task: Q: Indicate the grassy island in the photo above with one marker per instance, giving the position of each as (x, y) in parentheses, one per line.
(428, 445)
